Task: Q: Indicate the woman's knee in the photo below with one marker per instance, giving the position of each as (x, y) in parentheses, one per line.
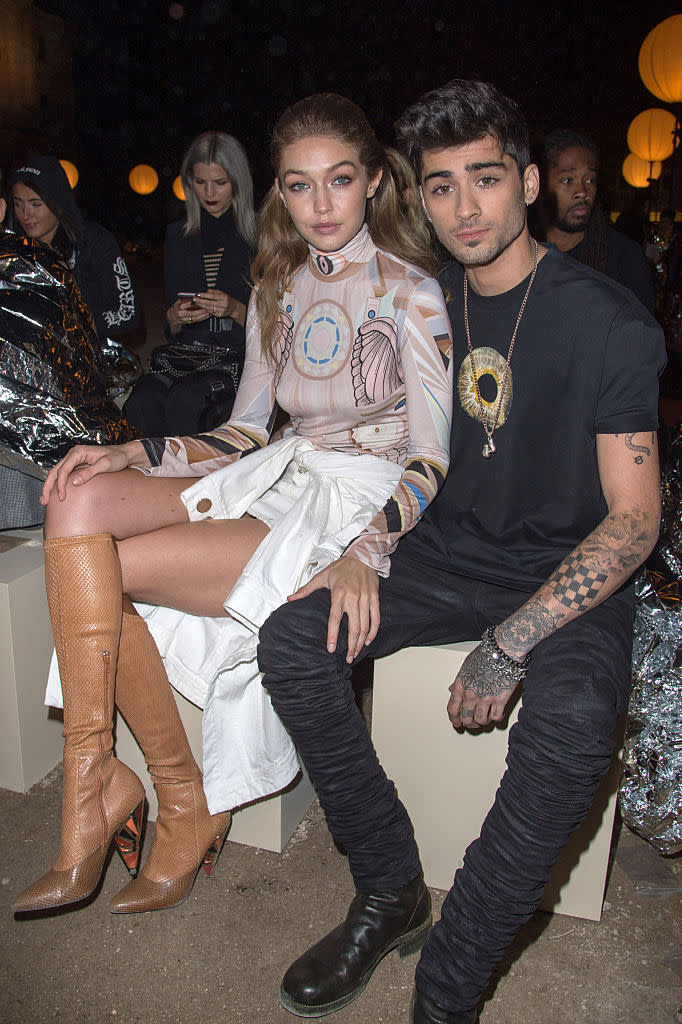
(84, 509)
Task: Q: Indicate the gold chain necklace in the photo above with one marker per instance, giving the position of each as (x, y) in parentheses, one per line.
(489, 446)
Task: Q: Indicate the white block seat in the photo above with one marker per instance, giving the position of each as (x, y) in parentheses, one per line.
(418, 749)
(267, 823)
(30, 734)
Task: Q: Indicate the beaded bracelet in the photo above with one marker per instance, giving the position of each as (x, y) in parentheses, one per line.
(514, 671)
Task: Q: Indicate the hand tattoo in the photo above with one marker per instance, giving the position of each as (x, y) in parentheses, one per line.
(480, 677)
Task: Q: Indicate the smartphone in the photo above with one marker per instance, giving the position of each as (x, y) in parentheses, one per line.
(187, 299)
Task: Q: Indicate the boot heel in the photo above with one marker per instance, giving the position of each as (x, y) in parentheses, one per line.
(128, 838)
(211, 855)
(415, 940)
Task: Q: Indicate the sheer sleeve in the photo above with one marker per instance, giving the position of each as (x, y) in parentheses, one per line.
(426, 359)
(247, 429)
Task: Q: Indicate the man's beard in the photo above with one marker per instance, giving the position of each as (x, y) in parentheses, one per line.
(572, 227)
(483, 255)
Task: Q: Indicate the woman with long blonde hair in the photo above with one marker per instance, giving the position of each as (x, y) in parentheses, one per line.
(349, 336)
(206, 258)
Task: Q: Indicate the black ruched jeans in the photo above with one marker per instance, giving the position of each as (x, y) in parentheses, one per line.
(562, 744)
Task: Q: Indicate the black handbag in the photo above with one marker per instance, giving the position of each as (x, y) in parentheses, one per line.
(176, 360)
(200, 401)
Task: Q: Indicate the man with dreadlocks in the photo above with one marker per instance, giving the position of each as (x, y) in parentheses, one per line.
(575, 223)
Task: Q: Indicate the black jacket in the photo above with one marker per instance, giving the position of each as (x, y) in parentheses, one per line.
(102, 275)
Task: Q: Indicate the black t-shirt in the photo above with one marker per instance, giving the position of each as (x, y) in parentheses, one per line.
(585, 362)
(625, 263)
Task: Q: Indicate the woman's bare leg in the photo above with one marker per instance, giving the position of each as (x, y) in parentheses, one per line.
(165, 559)
(123, 504)
(192, 566)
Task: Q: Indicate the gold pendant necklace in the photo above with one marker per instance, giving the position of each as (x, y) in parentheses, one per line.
(489, 447)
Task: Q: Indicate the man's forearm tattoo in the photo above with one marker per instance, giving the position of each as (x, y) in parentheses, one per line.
(590, 573)
(527, 627)
(576, 585)
(619, 544)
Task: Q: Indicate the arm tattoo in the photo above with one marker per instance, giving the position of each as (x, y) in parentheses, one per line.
(619, 544)
(638, 459)
(592, 571)
(576, 585)
(527, 627)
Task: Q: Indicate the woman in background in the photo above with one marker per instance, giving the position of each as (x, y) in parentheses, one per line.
(206, 267)
(44, 208)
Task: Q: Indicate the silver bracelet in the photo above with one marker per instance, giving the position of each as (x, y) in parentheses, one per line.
(514, 671)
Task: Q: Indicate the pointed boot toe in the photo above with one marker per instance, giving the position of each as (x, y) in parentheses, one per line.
(180, 842)
(60, 888)
(143, 894)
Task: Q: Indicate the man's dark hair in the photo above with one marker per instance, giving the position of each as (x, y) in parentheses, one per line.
(563, 138)
(462, 112)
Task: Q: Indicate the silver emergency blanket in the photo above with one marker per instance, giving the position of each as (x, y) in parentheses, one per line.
(651, 789)
(54, 378)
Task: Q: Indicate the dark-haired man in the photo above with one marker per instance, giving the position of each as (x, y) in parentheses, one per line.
(551, 503)
(575, 222)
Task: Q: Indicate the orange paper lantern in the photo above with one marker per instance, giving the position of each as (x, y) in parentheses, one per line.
(651, 135)
(178, 190)
(660, 60)
(637, 172)
(143, 179)
(71, 172)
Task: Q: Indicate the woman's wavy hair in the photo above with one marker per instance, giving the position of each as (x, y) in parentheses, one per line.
(281, 250)
(225, 150)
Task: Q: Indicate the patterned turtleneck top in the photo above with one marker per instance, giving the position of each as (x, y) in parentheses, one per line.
(363, 366)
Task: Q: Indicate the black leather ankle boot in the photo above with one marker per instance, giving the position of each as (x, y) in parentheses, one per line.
(424, 1011)
(335, 971)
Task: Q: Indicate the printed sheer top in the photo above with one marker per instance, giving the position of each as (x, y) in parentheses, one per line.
(363, 365)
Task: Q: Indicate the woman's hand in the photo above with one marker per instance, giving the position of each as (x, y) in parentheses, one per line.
(88, 460)
(184, 311)
(354, 588)
(217, 303)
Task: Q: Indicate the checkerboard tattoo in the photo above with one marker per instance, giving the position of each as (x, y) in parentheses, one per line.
(578, 585)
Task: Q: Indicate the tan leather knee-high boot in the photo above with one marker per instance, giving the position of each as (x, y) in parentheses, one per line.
(186, 834)
(101, 796)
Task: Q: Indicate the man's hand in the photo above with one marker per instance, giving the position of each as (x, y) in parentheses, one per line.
(354, 588)
(479, 694)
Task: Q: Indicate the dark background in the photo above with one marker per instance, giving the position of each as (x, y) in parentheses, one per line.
(145, 83)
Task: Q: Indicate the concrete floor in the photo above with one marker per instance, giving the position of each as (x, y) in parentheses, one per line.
(220, 956)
